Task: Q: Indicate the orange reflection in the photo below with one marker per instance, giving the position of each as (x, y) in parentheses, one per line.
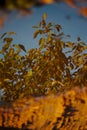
(83, 11)
(47, 1)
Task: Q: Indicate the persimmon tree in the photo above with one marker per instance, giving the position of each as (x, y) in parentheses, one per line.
(55, 66)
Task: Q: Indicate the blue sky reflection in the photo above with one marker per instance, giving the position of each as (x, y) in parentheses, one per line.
(62, 14)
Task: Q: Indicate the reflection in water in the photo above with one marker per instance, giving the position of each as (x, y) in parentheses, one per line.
(25, 7)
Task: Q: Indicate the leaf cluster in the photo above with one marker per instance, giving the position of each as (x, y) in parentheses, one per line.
(55, 66)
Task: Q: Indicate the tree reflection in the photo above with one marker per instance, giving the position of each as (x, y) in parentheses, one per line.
(25, 7)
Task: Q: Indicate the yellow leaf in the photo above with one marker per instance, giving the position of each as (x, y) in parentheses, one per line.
(6, 80)
(36, 33)
(1, 64)
(44, 16)
(10, 33)
(29, 73)
(0, 83)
